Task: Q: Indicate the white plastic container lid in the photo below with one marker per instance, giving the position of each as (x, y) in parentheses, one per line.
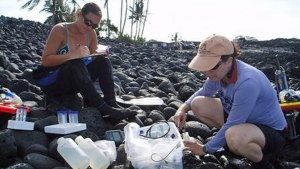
(79, 139)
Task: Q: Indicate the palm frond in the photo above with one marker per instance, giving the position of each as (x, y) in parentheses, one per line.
(105, 3)
(34, 4)
(26, 5)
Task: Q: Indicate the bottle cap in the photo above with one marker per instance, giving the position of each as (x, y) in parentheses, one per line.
(79, 139)
(73, 112)
(63, 112)
(9, 94)
(60, 140)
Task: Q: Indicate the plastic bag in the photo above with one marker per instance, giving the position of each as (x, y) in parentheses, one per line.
(156, 146)
(108, 148)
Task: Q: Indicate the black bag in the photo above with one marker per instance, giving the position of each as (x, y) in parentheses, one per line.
(42, 71)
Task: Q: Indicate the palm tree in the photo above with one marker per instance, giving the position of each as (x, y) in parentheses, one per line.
(75, 5)
(140, 11)
(63, 13)
(48, 7)
(108, 20)
(104, 26)
(121, 18)
(145, 19)
(57, 8)
(31, 4)
(125, 18)
(131, 17)
(137, 17)
(176, 40)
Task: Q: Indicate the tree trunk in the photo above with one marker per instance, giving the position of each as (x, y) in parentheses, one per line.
(136, 30)
(125, 18)
(133, 8)
(108, 21)
(139, 27)
(145, 19)
(121, 18)
(54, 12)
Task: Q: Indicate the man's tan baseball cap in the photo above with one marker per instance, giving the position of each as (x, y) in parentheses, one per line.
(210, 52)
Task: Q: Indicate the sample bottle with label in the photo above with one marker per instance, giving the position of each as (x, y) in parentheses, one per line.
(97, 158)
(73, 155)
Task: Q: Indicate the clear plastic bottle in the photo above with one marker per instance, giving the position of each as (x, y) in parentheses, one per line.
(73, 155)
(187, 137)
(97, 158)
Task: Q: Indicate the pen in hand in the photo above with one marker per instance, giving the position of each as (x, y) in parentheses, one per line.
(82, 51)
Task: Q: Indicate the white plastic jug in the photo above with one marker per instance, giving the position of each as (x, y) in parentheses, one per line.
(97, 158)
(73, 155)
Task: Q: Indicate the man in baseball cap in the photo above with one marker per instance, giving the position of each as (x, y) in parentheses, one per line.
(210, 52)
(246, 111)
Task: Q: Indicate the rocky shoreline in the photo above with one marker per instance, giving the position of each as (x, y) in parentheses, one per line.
(140, 71)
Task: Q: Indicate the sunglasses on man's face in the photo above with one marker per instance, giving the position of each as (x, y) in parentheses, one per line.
(89, 23)
(217, 66)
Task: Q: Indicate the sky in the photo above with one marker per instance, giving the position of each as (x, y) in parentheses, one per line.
(194, 20)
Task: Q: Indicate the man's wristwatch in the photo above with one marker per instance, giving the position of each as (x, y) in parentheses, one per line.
(204, 149)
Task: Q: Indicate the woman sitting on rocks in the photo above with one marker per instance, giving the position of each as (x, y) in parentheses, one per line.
(66, 51)
(247, 111)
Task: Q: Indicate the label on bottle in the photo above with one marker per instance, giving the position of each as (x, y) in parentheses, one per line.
(281, 82)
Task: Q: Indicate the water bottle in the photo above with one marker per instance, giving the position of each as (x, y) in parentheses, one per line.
(97, 158)
(72, 154)
(280, 78)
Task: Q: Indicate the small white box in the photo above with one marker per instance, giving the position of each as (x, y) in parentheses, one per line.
(65, 128)
(20, 125)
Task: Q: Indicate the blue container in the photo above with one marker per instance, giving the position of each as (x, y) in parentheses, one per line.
(281, 81)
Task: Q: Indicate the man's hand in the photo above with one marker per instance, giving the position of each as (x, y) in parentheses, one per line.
(179, 119)
(194, 147)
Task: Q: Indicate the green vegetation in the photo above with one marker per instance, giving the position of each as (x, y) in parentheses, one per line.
(177, 41)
